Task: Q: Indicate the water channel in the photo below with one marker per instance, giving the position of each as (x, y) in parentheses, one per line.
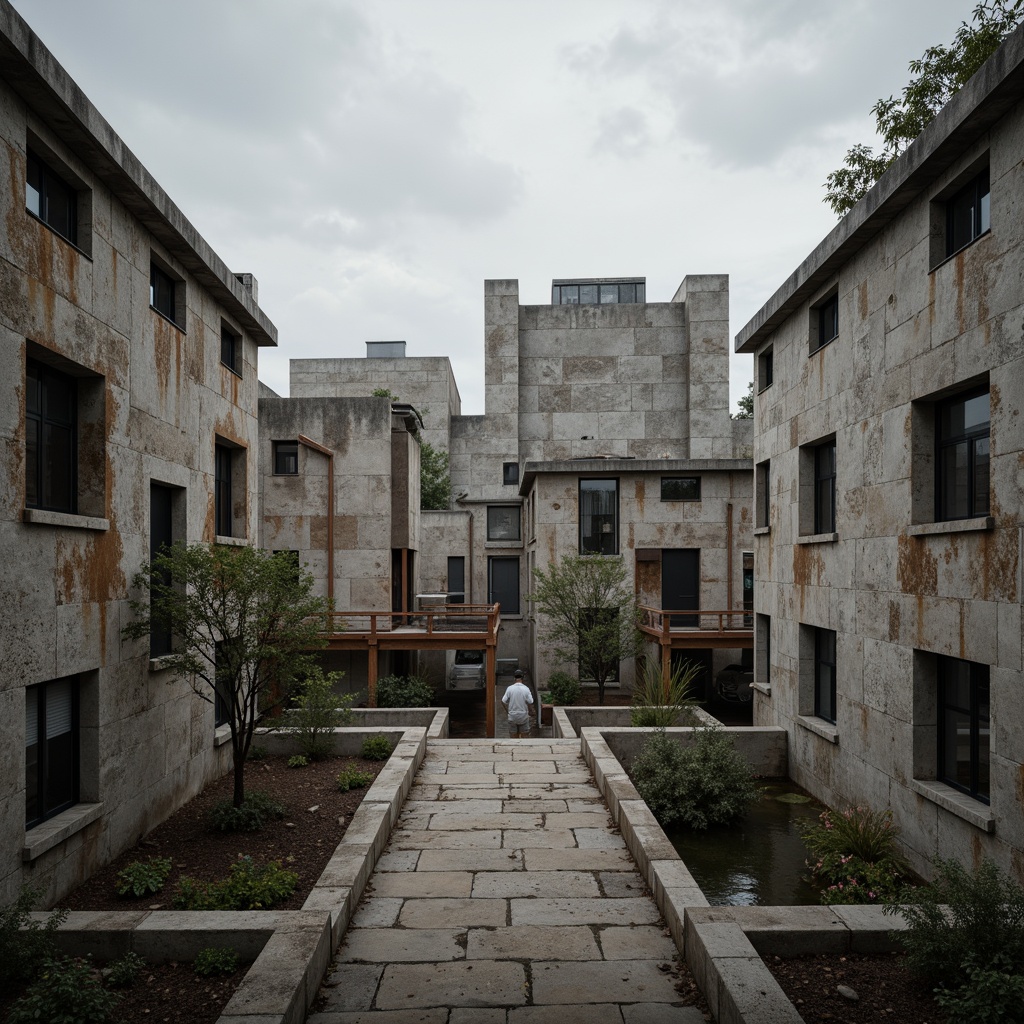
(760, 860)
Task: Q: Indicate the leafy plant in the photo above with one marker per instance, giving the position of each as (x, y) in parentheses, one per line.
(404, 692)
(318, 712)
(257, 753)
(376, 748)
(990, 993)
(652, 706)
(705, 783)
(124, 972)
(298, 761)
(963, 922)
(856, 856)
(563, 688)
(65, 991)
(215, 960)
(353, 778)
(247, 887)
(142, 877)
(938, 74)
(435, 478)
(24, 942)
(257, 809)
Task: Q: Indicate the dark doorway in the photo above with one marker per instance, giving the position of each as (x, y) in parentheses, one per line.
(680, 584)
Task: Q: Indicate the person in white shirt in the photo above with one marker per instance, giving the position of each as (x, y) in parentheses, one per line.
(518, 700)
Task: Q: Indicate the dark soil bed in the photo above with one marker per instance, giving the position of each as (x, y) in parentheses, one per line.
(886, 990)
(316, 817)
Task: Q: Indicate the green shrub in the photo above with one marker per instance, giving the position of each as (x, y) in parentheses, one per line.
(563, 688)
(705, 783)
(142, 877)
(124, 972)
(298, 761)
(66, 991)
(855, 856)
(991, 993)
(213, 960)
(25, 943)
(963, 922)
(318, 712)
(256, 810)
(353, 778)
(404, 692)
(653, 707)
(257, 753)
(247, 887)
(376, 748)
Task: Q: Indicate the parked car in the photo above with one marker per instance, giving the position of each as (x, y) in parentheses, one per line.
(466, 671)
(733, 684)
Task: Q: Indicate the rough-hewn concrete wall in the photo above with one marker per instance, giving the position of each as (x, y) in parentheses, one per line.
(913, 328)
(152, 398)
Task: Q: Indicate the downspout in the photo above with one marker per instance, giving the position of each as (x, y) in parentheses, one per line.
(330, 511)
(728, 546)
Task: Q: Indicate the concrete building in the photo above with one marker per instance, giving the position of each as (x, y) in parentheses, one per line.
(127, 418)
(889, 491)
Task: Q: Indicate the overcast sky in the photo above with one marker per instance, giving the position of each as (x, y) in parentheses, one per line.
(373, 163)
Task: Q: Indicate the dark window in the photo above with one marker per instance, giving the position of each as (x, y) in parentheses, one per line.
(599, 513)
(50, 198)
(962, 456)
(286, 458)
(161, 536)
(503, 522)
(825, 674)
(456, 579)
(510, 473)
(230, 349)
(223, 676)
(598, 293)
(825, 487)
(503, 584)
(680, 488)
(222, 490)
(51, 749)
(763, 642)
(828, 322)
(162, 289)
(763, 485)
(967, 214)
(51, 439)
(963, 739)
(765, 369)
(748, 589)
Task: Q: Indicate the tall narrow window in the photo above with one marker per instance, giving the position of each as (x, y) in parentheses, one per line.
(50, 198)
(962, 456)
(825, 674)
(824, 322)
(456, 579)
(599, 515)
(51, 435)
(967, 214)
(825, 487)
(503, 583)
(230, 349)
(223, 512)
(161, 536)
(762, 483)
(162, 289)
(51, 749)
(963, 730)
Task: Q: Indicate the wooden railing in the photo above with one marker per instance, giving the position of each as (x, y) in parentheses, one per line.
(447, 618)
(665, 621)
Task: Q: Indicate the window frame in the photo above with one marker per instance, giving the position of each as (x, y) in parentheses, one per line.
(36, 462)
(979, 694)
(49, 178)
(680, 479)
(583, 517)
(824, 321)
(286, 453)
(825, 487)
(825, 687)
(509, 473)
(496, 535)
(506, 610)
(230, 348)
(762, 494)
(975, 198)
(43, 775)
(970, 437)
(766, 369)
(171, 306)
(222, 490)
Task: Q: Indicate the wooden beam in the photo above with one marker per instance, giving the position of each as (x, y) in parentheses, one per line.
(371, 675)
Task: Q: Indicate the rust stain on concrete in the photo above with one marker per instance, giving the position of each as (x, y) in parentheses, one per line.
(894, 622)
(916, 568)
(641, 494)
(862, 300)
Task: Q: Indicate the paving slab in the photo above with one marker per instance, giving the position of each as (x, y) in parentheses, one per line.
(592, 1013)
(480, 983)
(467, 913)
(351, 986)
(470, 860)
(515, 839)
(422, 839)
(431, 1015)
(377, 912)
(642, 942)
(530, 942)
(639, 910)
(506, 885)
(621, 981)
(422, 884)
(540, 859)
(414, 945)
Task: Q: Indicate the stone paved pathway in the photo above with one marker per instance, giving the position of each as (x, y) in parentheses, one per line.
(505, 897)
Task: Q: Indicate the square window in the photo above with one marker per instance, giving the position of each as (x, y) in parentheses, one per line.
(599, 517)
(51, 749)
(167, 295)
(50, 198)
(825, 674)
(825, 322)
(963, 726)
(680, 488)
(229, 489)
(962, 456)
(967, 214)
(286, 458)
(765, 369)
(231, 349)
(503, 522)
(510, 473)
(762, 494)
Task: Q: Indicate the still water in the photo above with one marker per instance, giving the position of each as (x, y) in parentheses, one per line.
(760, 860)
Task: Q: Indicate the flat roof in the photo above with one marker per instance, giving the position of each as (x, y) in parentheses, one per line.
(997, 86)
(616, 466)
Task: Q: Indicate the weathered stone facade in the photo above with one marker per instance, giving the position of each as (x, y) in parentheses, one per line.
(909, 596)
(103, 398)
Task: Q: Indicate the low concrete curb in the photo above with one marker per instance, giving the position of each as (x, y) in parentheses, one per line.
(290, 950)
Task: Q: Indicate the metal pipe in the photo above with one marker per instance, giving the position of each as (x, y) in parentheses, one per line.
(728, 546)
(330, 509)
